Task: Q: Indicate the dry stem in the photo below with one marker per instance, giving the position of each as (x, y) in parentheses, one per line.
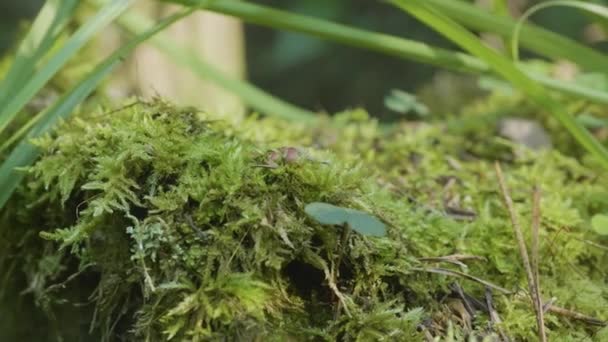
(535, 261)
(523, 251)
(576, 315)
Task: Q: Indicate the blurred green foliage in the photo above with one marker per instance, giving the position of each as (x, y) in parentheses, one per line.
(327, 76)
(331, 77)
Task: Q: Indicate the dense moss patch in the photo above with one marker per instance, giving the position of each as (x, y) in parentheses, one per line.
(156, 223)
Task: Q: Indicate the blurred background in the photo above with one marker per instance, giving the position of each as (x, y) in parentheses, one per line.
(306, 71)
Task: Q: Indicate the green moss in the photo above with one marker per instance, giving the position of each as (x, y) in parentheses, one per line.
(163, 223)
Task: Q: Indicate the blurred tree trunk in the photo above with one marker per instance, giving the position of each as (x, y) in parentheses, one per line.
(217, 39)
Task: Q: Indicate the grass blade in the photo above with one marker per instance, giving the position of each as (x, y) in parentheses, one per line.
(22, 131)
(106, 15)
(25, 153)
(506, 69)
(383, 43)
(533, 38)
(591, 8)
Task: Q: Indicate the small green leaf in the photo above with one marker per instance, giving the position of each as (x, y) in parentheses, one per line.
(599, 223)
(326, 213)
(361, 222)
(365, 224)
(402, 102)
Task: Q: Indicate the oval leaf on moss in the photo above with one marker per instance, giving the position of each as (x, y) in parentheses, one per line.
(325, 213)
(599, 223)
(361, 222)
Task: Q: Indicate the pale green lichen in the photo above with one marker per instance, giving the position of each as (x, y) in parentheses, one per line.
(163, 223)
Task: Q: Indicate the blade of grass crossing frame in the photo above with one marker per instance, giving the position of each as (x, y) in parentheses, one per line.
(51, 19)
(100, 20)
(598, 10)
(383, 43)
(25, 153)
(505, 68)
(534, 38)
(22, 131)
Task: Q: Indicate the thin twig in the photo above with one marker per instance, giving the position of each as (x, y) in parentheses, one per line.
(523, 251)
(456, 259)
(591, 243)
(64, 283)
(331, 281)
(453, 273)
(535, 260)
(494, 318)
(576, 315)
(548, 304)
(465, 302)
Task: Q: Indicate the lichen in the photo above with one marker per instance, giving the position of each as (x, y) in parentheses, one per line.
(152, 222)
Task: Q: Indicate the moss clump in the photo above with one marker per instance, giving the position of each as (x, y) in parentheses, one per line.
(185, 233)
(160, 223)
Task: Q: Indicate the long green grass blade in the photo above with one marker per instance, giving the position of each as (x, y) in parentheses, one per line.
(383, 43)
(101, 19)
(182, 56)
(25, 153)
(45, 29)
(598, 10)
(533, 38)
(570, 88)
(505, 68)
(21, 132)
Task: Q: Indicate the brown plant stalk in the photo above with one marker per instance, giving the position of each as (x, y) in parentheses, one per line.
(530, 275)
